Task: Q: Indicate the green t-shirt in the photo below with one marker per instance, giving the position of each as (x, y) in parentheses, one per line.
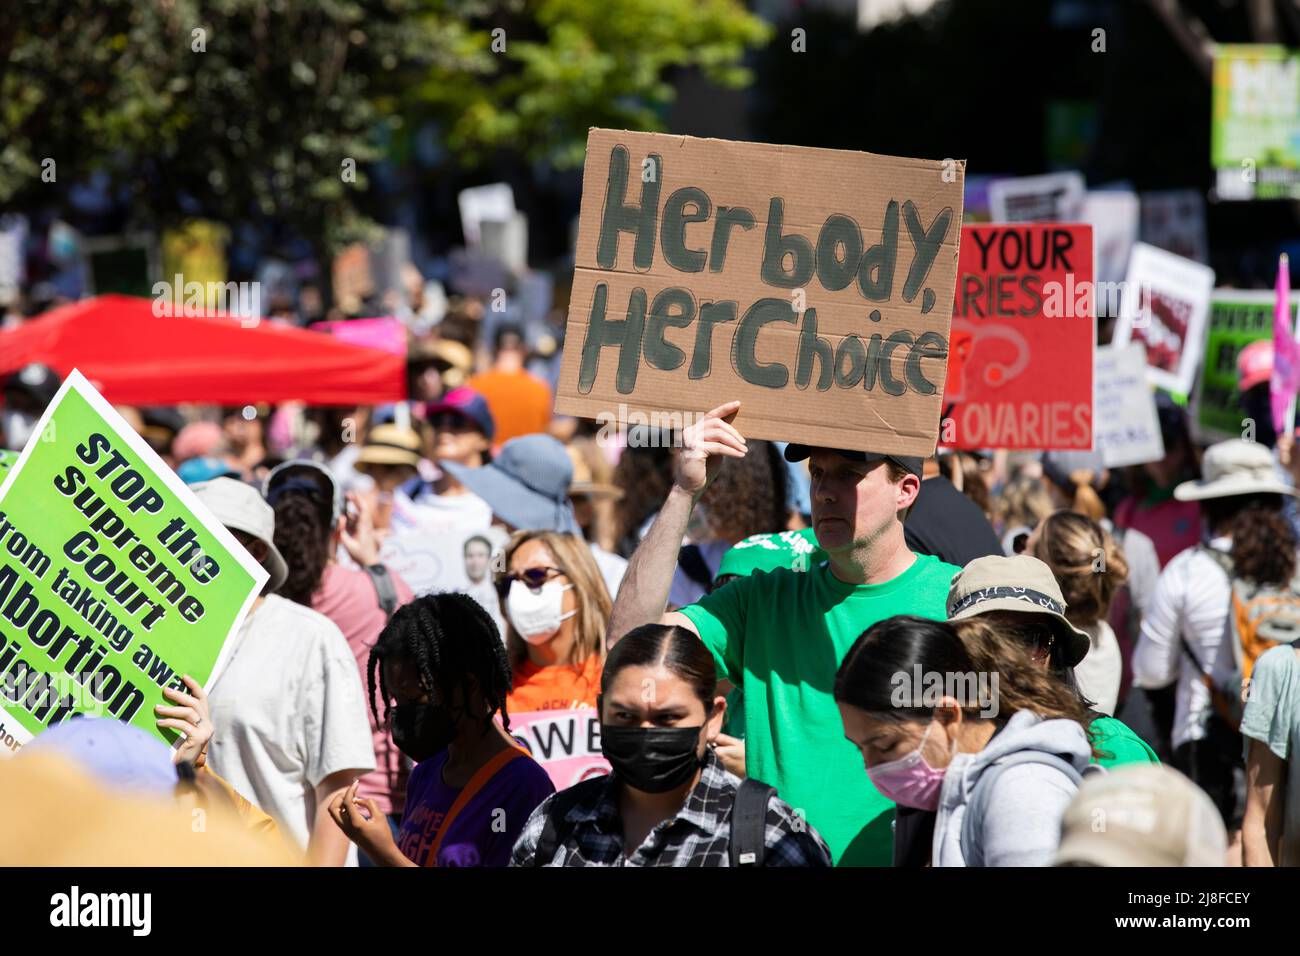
(1119, 743)
(780, 636)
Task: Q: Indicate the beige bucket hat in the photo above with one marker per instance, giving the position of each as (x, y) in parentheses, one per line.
(1235, 467)
(1021, 583)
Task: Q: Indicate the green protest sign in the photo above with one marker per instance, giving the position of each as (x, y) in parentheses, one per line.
(1237, 318)
(114, 579)
(7, 459)
(1255, 129)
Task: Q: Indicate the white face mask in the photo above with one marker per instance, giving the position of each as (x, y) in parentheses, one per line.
(537, 615)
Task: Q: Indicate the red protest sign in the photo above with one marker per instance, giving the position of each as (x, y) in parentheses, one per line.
(1024, 322)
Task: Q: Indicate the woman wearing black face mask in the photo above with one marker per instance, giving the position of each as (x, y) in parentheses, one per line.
(441, 670)
(668, 802)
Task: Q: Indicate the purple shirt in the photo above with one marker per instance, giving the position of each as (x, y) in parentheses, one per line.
(485, 830)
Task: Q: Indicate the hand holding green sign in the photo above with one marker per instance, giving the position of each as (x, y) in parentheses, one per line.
(114, 580)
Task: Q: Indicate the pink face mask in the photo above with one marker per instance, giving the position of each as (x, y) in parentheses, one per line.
(910, 781)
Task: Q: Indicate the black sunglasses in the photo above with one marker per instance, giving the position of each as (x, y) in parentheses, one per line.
(533, 577)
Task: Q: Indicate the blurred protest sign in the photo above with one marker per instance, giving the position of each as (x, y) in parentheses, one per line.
(565, 742)
(13, 257)
(426, 541)
(114, 579)
(495, 201)
(386, 334)
(976, 204)
(1174, 220)
(1128, 428)
(1025, 299)
(390, 256)
(507, 240)
(196, 252)
(1255, 131)
(1053, 197)
(1237, 318)
(814, 285)
(1164, 304)
(1113, 215)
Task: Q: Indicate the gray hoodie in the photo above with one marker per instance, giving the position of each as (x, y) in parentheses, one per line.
(1022, 826)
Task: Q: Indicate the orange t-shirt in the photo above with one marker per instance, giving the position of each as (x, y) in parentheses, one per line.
(520, 403)
(557, 687)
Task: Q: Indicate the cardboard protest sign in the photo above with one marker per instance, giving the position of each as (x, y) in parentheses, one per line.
(1025, 301)
(114, 579)
(565, 742)
(1237, 318)
(1163, 305)
(1128, 428)
(1053, 197)
(814, 285)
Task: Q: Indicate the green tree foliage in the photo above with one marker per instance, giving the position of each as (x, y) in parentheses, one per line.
(248, 109)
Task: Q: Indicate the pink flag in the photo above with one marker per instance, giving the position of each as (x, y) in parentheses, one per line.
(1286, 352)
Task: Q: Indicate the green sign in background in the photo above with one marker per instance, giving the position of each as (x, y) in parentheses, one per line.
(110, 666)
(1236, 319)
(1255, 125)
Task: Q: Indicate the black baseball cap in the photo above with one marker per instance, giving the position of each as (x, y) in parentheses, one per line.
(800, 452)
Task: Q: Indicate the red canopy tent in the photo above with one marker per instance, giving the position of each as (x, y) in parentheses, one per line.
(137, 358)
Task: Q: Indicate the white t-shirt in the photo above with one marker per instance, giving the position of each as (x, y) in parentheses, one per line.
(288, 710)
(1191, 603)
(1101, 670)
(612, 567)
(426, 544)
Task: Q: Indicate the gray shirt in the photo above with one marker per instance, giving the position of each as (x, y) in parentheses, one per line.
(1272, 717)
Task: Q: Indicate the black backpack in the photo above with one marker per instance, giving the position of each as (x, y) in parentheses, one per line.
(748, 844)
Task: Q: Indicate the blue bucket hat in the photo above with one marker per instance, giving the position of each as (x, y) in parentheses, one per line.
(115, 753)
(526, 485)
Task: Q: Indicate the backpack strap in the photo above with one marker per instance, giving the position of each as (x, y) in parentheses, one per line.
(556, 829)
(476, 783)
(693, 565)
(1222, 703)
(748, 843)
(385, 590)
(978, 802)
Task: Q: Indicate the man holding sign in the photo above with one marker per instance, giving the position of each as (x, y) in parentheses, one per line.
(814, 288)
(780, 636)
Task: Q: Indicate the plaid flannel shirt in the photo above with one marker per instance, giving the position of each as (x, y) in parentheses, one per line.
(699, 835)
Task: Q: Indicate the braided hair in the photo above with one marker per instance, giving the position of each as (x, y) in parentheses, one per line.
(447, 637)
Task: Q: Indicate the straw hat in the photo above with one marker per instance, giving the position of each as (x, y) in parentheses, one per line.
(390, 444)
